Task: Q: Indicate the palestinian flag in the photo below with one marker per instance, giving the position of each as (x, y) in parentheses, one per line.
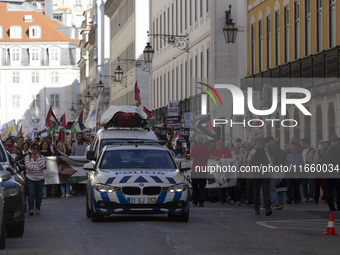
(51, 122)
(147, 112)
(204, 127)
(78, 125)
(137, 95)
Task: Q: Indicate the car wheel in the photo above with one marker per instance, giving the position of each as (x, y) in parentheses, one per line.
(3, 235)
(95, 217)
(16, 230)
(88, 210)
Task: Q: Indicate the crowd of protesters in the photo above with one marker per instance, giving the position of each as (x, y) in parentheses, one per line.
(268, 193)
(32, 154)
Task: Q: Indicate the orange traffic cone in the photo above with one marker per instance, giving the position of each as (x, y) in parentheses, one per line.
(330, 228)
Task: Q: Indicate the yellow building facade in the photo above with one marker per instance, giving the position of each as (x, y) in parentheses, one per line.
(297, 39)
(281, 31)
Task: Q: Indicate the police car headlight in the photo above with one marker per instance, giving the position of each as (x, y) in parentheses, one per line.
(106, 188)
(176, 188)
(11, 192)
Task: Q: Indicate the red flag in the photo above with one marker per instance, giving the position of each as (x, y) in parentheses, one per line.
(20, 131)
(61, 135)
(147, 112)
(137, 96)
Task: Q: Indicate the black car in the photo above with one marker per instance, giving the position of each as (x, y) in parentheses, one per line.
(14, 193)
(4, 176)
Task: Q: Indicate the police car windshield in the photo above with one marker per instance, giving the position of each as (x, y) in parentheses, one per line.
(145, 159)
(105, 142)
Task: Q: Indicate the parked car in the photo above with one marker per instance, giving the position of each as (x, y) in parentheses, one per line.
(14, 192)
(137, 177)
(4, 176)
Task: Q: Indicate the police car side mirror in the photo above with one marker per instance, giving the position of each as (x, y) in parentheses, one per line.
(4, 176)
(90, 155)
(89, 166)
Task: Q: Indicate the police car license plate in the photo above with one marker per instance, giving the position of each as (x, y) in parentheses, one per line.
(142, 200)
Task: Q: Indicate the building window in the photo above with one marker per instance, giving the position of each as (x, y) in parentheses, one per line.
(201, 8)
(260, 27)
(332, 22)
(169, 87)
(16, 101)
(307, 27)
(318, 25)
(277, 38)
(269, 41)
(157, 33)
(165, 89)
(173, 84)
(15, 77)
(207, 5)
(190, 12)
(331, 121)
(286, 34)
(36, 101)
(207, 65)
(154, 96)
(1, 32)
(176, 17)
(180, 16)
(296, 30)
(54, 100)
(252, 40)
(35, 77)
(195, 10)
(186, 80)
(15, 56)
(160, 31)
(54, 55)
(164, 25)
(185, 14)
(15, 32)
(172, 19)
(34, 55)
(318, 123)
(34, 32)
(54, 77)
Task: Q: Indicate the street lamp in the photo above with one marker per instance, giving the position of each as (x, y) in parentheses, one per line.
(229, 30)
(88, 97)
(72, 110)
(119, 74)
(100, 86)
(80, 104)
(148, 53)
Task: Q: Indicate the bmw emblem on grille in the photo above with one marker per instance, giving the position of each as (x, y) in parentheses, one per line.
(141, 184)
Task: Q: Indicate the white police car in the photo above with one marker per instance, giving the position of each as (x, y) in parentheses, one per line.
(133, 178)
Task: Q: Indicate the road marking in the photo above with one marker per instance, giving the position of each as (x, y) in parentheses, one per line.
(295, 224)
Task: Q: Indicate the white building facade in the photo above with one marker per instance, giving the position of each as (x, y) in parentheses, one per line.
(207, 57)
(37, 67)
